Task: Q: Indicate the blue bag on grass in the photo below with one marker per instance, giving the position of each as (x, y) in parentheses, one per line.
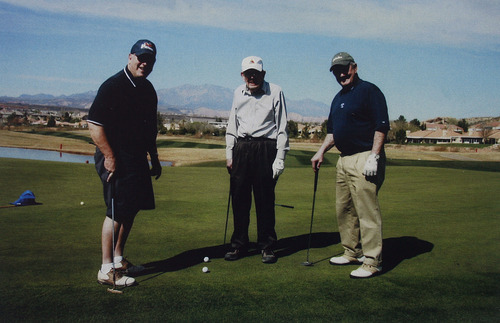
(27, 198)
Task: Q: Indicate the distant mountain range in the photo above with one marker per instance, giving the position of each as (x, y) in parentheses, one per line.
(203, 100)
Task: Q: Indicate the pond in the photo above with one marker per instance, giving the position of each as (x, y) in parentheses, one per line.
(49, 155)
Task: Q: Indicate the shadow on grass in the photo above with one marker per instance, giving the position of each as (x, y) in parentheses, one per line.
(285, 247)
(395, 251)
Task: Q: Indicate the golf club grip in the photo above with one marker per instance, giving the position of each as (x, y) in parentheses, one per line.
(316, 179)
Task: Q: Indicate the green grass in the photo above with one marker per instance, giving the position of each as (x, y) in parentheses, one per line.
(441, 255)
(60, 134)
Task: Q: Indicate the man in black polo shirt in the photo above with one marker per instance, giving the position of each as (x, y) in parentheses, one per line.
(123, 124)
(358, 124)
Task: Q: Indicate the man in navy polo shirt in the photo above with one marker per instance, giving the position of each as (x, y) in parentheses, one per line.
(358, 124)
(123, 124)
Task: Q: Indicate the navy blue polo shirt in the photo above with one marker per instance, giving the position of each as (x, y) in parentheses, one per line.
(355, 114)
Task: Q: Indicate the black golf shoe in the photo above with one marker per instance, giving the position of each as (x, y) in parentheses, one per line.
(268, 256)
(235, 254)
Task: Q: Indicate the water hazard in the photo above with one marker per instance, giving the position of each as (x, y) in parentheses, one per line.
(49, 155)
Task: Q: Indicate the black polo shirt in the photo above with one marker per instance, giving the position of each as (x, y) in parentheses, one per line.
(127, 109)
(355, 114)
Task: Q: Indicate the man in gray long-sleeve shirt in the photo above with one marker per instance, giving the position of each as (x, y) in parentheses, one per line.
(256, 146)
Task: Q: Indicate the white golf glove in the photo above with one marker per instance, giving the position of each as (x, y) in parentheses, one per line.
(278, 167)
(371, 165)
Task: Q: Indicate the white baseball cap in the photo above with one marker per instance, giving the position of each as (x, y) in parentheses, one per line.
(252, 62)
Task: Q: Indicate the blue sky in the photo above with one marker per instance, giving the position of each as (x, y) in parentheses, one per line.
(430, 57)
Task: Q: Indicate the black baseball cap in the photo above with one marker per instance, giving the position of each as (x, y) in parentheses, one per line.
(143, 46)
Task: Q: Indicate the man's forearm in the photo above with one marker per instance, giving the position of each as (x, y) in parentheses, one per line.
(328, 143)
(378, 142)
(99, 137)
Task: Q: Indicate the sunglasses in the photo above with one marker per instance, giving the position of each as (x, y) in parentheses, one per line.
(251, 73)
(146, 58)
(340, 69)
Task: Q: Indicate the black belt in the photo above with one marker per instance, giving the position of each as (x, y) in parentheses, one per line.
(249, 138)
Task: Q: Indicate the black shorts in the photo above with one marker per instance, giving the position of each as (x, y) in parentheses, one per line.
(131, 188)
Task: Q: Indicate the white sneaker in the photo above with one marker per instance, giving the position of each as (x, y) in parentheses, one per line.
(366, 271)
(120, 279)
(346, 260)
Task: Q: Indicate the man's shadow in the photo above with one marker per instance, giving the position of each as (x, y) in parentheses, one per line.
(395, 250)
(285, 247)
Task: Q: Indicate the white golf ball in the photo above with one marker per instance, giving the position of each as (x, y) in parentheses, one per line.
(205, 269)
(81, 203)
(206, 259)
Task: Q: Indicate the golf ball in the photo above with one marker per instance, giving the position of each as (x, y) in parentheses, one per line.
(206, 259)
(205, 269)
(81, 203)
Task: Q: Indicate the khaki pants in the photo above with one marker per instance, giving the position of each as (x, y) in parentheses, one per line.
(358, 211)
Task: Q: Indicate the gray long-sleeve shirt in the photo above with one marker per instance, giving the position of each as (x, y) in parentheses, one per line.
(261, 114)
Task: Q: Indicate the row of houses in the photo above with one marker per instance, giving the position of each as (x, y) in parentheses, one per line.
(40, 117)
(434, 133)
(485, 133)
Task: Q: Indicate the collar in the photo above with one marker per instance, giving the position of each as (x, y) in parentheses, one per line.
(356, 81)
(129, 76)
(264, 89)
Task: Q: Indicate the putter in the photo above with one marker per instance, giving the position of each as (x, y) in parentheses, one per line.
(227, 215)
(287, 206)
(307, 262)
(113, 290)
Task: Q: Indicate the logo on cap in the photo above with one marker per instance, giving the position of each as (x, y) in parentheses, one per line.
(147, 45)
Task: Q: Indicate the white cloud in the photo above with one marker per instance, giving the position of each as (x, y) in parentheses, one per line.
(462, 23)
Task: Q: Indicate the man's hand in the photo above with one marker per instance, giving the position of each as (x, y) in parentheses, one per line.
(278, 167)
(229, 165)
(371, 165)
(110, 165)
(155, 166)
(316, 161)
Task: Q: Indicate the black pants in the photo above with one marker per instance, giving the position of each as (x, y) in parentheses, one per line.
(252, 171)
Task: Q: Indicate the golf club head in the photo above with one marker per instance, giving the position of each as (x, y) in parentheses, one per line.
(115, 291)
(307, 263)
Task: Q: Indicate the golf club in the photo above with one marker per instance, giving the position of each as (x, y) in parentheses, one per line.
(227, 215)
(113, 290)
(287, 206)
(7, 206)
(307, 262)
